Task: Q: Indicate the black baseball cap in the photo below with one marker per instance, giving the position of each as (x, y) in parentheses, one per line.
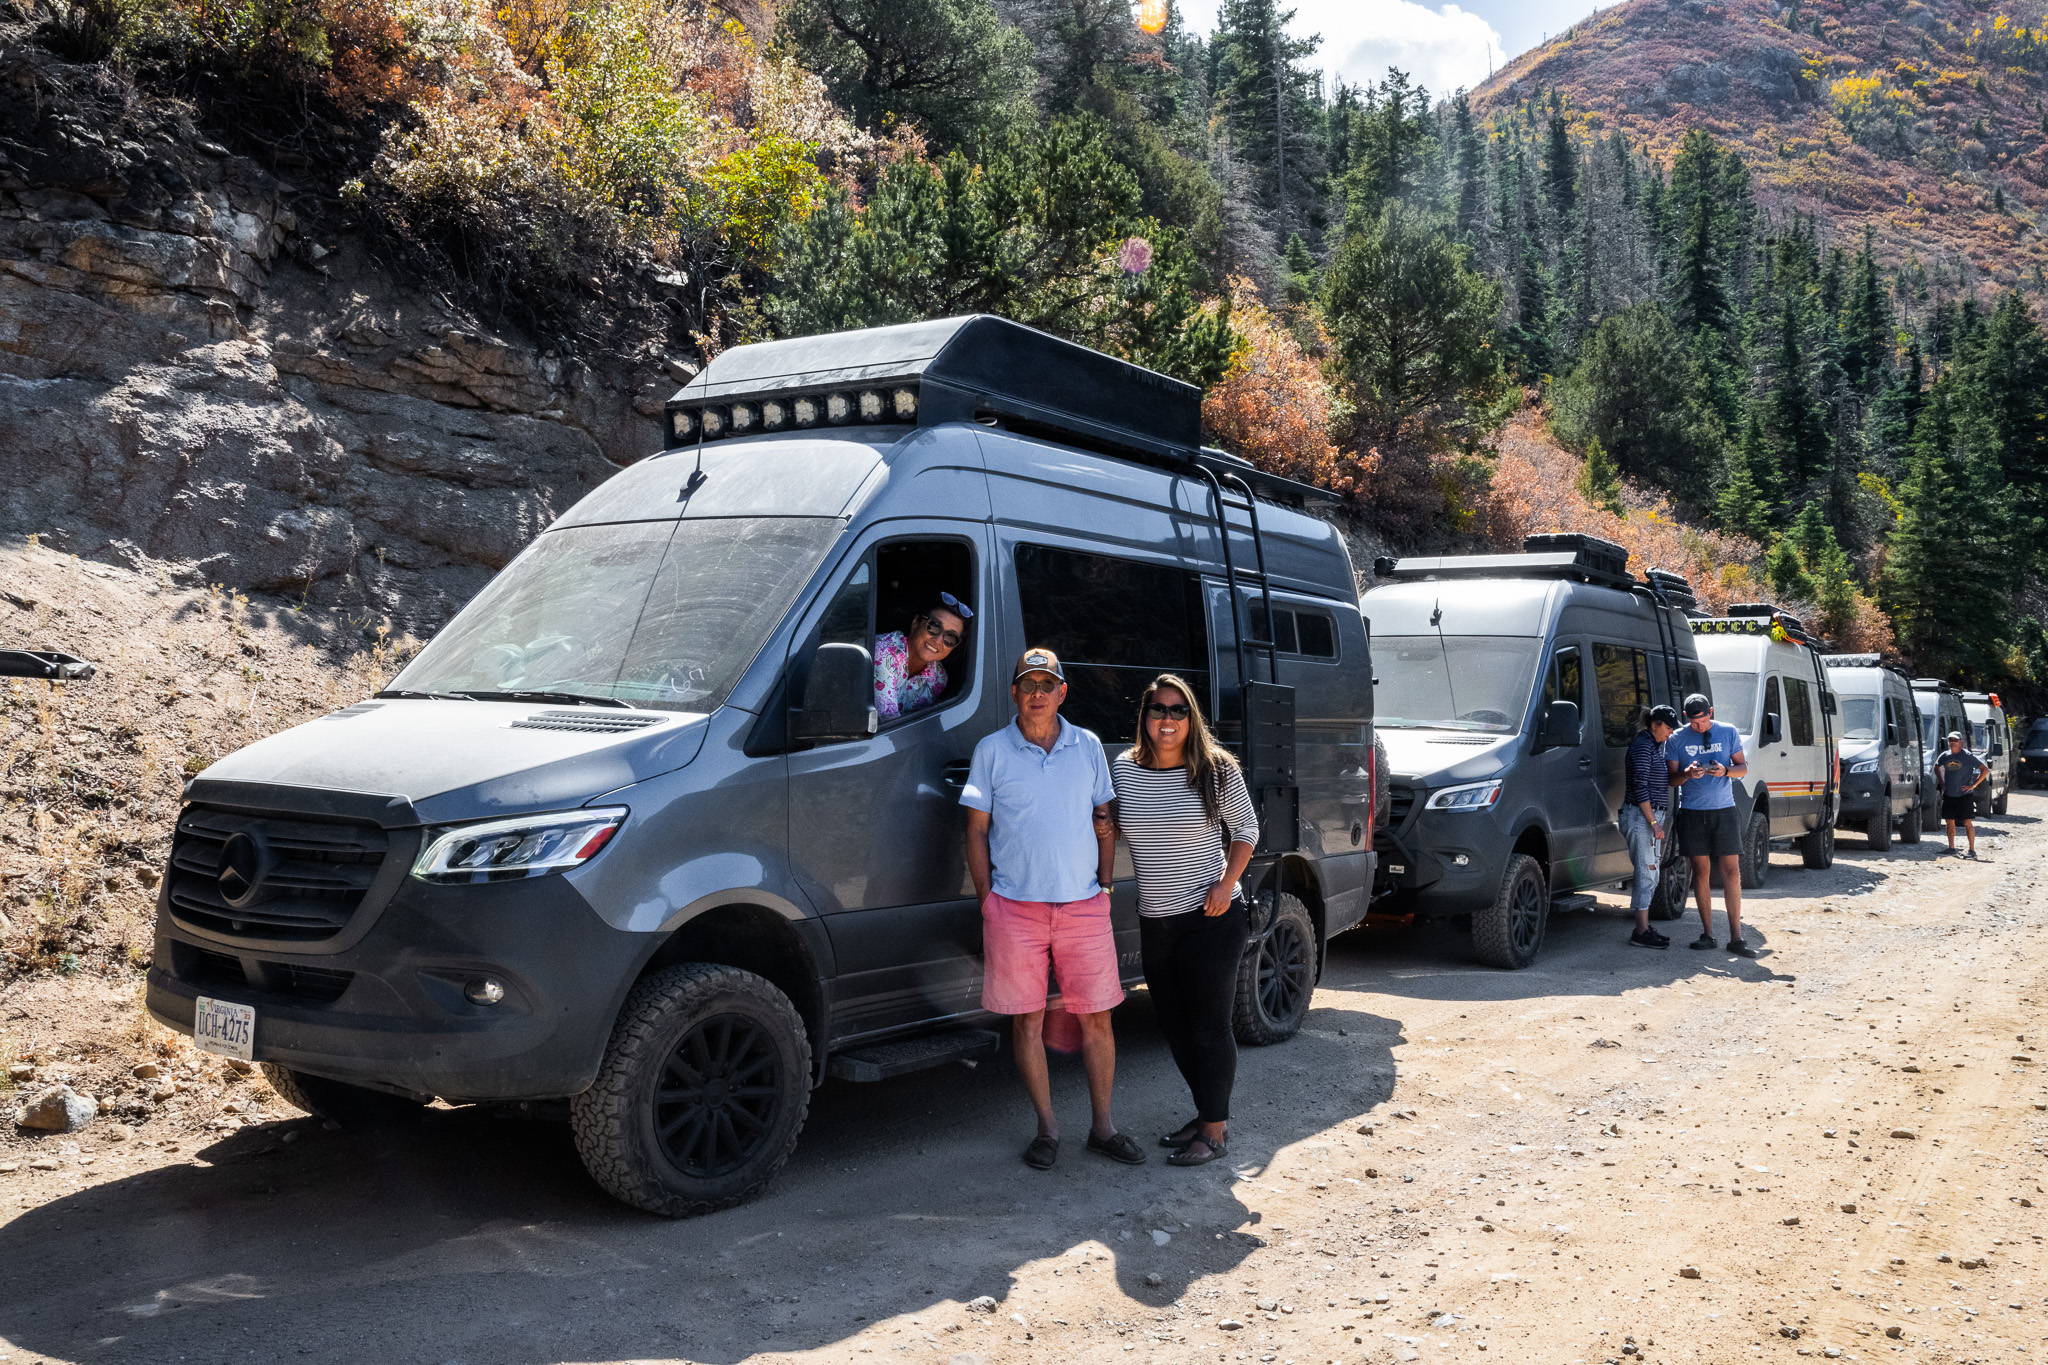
(1662, 715)
(1697, 705)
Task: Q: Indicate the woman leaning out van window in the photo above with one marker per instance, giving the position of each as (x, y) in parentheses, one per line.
(910, 666)
(1182, 806)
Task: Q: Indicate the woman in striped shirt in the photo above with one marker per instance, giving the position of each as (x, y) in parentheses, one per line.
(1177, 796)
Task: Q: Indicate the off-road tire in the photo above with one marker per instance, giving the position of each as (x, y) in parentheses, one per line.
(348, 1105)
(1382, 785)
(735, 1024)
(1674, 888)
(1817, 849)
(1509, 932)
(1930, 815)
(2001, 802)
(1756, 851)
(1880, 827)
(1276, 978)
(1910, 827)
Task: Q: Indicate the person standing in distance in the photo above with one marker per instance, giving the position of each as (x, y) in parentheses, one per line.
(1960, 773)
(1041, 851)
(1643, 816)
(1703, 760)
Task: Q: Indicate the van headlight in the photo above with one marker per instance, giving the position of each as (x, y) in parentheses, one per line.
(1868, 765)
(527, 846)
(1472, 796)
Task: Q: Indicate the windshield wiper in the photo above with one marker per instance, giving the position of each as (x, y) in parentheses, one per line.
(407, 694)
(573, 698)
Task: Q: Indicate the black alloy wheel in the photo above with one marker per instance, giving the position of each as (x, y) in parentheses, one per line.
(1277, 978)
(1509, 932)
(719, 1093)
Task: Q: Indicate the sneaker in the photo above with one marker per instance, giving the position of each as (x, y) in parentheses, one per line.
(1648, 938)
(1740, 949)
(1703, 941)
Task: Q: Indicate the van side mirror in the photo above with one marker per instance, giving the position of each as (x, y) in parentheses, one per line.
(839, 696)
(1774, 729)
(1561, 728)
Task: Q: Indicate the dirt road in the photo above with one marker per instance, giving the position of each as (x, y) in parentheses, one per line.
(1835, 1151)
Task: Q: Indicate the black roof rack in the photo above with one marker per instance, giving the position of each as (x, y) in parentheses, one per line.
(1565, 554)
(1936, 685)
(977, 368)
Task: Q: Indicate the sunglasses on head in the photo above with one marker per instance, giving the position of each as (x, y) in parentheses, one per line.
(950, 638)
(1161, 711)
(1028, 686)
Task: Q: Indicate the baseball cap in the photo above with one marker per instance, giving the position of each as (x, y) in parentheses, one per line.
(1038, 661)
(1697, 705)
(1955, 734)
(1663, 715)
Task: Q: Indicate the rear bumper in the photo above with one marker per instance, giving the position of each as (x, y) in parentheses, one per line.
(388, 1011)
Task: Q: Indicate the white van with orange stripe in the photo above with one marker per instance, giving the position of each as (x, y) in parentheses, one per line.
(1768, 681)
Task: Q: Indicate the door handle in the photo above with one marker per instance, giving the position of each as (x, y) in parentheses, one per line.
(954, 774)
(1585, 765)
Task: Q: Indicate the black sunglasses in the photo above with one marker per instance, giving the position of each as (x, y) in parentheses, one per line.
(1160, 711)
(950, 638)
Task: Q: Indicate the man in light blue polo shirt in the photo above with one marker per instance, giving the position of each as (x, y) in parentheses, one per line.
(1040, 862)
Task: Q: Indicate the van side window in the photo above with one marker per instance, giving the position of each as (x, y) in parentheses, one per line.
(1317, 633)
(1694, 679)
(1310, 634)
(1566, 682)
(1772, 701)
(1622, 678)
(846, 620)
(1799, 705)
(1116, 624)
(889, 587)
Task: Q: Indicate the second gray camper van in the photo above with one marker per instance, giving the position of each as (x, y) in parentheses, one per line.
(1509, 688)
(631, 831)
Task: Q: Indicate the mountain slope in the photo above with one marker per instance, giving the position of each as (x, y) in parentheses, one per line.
(1920, 119)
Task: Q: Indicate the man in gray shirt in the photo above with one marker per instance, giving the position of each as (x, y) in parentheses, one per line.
(1960, 773)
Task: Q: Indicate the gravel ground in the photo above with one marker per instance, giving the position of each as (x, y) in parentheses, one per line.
(1834, 1151)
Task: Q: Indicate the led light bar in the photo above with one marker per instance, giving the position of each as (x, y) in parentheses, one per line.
(691, 423)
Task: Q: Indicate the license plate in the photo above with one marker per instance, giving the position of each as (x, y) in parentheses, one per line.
(225, 1028)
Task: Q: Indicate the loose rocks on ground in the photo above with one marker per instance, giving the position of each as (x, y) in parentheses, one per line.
(59, 1109)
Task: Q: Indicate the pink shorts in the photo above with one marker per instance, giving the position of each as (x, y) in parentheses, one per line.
(1021, 939)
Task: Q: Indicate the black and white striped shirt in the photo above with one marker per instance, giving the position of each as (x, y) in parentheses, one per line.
(1175, 847)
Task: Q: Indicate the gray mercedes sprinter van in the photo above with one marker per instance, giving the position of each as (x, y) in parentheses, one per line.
(1882, 763)
(629, 832)
(1509, 688)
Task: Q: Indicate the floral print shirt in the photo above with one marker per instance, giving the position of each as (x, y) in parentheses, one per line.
(897, 692)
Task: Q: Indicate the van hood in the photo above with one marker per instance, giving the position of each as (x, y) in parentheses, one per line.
(405, 761)
(1432, 757)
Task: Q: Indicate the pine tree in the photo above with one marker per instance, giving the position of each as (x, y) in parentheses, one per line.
(1866, 323)
(1600, 482)
(1270, 102)
(1748, 499)
(952, 67)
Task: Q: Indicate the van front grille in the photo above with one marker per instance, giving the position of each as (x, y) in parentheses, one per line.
(264, 877)
(218, 971)
(1400, 802)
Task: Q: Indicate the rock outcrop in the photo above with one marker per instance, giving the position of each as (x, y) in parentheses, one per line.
(189, 378)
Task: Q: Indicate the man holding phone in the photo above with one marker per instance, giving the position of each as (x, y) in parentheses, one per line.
(1704, 758)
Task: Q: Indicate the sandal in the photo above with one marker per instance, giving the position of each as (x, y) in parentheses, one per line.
(1183, 1135)
(1042, 1152)
(1118, 1147)
(1199, 1152)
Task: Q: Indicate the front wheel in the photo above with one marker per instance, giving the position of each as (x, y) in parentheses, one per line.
(1674, 887)
(1818, 848)
(1756, 851)
(701, 1093)
(1509, 932)
(2002, 801)
(1276, 977)
(1880, 826)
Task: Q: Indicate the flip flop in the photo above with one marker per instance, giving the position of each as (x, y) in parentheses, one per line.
(1042, 1152)
(1199, 1152)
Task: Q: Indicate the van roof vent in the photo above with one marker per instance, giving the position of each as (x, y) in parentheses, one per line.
(359, 709)
(966, 369)
(586, 722)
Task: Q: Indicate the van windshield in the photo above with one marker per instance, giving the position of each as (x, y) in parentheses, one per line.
(2037, 735)
(1735, 699)
(1929, 725)
(1859, 718)
(663, 614)
(1457, 682)
(1980, 736)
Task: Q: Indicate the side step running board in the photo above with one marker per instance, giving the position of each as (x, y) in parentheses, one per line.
(1561, 904)
(880, 1061)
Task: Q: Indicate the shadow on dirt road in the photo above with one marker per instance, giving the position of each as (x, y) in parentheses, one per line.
(470, 1235)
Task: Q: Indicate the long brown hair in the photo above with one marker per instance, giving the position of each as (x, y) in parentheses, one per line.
(1206, 761)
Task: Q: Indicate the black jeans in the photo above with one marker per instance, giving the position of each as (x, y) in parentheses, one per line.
(1191, 971)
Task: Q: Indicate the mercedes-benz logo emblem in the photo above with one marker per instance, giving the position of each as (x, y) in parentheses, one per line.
(241, 868)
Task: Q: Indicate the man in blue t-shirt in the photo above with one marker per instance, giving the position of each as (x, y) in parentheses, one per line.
(1704, 759)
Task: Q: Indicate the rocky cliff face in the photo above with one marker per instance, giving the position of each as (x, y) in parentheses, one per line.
(188, 378)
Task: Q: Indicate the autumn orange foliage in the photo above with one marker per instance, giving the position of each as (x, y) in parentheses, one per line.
(1275, 407)
(1535, 488)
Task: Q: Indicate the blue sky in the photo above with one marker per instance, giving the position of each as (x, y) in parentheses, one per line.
(1442, 45)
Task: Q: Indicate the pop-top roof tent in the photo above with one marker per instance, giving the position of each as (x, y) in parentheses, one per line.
(977, 368)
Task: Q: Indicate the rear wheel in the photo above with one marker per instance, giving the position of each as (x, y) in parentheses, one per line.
(1818, 848)
(1930, 815)
(2004, 799)
(1277, 977)
(1880, 826)
(1674, 887)
(1756, 850)
(1909, 828)
(344, 1103)
(1509, 932)
(701, 1093)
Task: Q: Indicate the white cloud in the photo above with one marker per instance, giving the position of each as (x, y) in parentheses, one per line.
(1444, 48)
